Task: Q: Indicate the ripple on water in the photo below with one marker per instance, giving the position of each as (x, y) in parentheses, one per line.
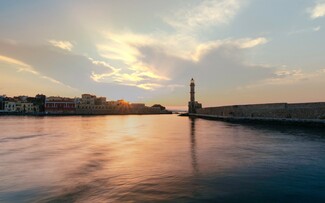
(158, 159)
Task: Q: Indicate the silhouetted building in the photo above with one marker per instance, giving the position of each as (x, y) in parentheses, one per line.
(2, 102)
(159, 106)
(192, 104)
(40, 102)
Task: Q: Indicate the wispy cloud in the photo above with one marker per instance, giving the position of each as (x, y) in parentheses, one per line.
(66, 45)
(124, 47)
(244, 43)
(318, 10)
(316, 29)
(149, 86)
(285, 76)
(21, 66)
(207, 13)
(115, 75)
(307, 30)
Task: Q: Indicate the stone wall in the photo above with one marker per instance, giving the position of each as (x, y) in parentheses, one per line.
(275, 110)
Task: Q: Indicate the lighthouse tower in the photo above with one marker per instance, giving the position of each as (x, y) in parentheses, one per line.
(192, 104)
(192, 92)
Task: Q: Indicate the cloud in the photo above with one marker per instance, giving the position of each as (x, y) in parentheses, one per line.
(284, 76)
(205, 14)
(244, 43)
(317, 11)
(218, 71)
(149, 86)
(316, 29)
(59, 67)
(217, 67)
(66, 45)
(161, 60)
(157, 50)
(307, 30)
(287, 76)
(147, 58)
(21, 66)
(124, 47)
(108, 70)
(77, 71)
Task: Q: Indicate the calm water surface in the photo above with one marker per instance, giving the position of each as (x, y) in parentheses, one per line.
(157, 158)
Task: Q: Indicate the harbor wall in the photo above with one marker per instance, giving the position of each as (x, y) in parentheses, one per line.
(273, 110)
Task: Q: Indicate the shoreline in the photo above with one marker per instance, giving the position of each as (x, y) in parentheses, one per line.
(74, 114)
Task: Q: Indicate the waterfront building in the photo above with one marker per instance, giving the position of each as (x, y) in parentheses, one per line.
(21, 98)
(26, 107)
(100, 101)
(60, 105)
(137, 105)
(13, 105)
(2, 102)
(88, 99)
(112, 104)
(159, 106)
(90, 104)
(86, 105)
(122, 102)
(77, 101)
(10, 106)
(40, 102)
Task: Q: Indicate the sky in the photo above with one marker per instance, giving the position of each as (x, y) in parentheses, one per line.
(238, 51)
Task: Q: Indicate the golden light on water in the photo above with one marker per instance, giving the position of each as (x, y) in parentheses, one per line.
(143, 158)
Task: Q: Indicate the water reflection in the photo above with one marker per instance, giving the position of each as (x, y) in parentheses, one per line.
(193, 147)
(157, 158)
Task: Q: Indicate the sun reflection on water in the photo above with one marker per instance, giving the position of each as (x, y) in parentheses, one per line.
(147, 158)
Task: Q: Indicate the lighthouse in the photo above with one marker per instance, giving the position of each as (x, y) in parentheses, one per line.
(192, 92)
(192, 104)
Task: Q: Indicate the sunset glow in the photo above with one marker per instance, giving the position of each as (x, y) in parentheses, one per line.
(238, 51)
(162, 101)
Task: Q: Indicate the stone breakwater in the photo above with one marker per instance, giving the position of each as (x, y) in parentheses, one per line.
(277, 112)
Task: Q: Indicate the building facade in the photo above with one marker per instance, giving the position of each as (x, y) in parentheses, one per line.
(88, 99)
(60, 105)
(86, 105)
(20, 107)
(2, 102)
(10, 106)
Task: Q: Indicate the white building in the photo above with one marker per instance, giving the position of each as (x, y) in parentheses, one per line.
(10, 106)
(17, 106)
